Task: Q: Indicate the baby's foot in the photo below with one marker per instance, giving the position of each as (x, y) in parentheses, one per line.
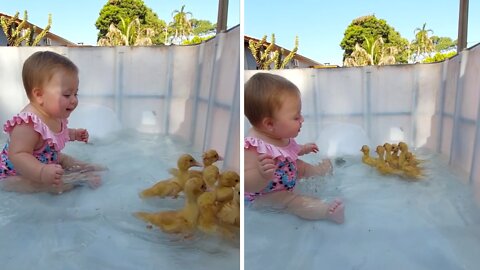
(95, 181)
(336, 211)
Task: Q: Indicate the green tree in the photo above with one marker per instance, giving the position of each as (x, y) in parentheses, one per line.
(443, 43)
(439, 57)
(369, 27)
(22, 33)
(114, 10)
(203, 27)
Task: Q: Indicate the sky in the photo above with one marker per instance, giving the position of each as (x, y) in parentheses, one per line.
(75, 20)
(320, 24)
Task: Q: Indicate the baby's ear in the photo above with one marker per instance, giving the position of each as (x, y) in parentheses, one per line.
(37, 95)
(267, 123)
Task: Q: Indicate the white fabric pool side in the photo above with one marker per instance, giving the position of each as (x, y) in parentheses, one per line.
(187, 91)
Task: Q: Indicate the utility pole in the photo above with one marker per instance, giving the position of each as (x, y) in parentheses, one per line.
(462, 26)
(222, 15)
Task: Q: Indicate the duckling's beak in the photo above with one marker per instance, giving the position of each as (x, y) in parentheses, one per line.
(220, 157)
(196, 164)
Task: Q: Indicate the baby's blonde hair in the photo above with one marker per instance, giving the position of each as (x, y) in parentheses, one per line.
(263, 95)
(40, 67)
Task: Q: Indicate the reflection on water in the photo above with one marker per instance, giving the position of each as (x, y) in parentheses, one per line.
(95, 229)
(390, 223)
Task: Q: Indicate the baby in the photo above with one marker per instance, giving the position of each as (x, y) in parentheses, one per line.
(272, 168)
(31, 160)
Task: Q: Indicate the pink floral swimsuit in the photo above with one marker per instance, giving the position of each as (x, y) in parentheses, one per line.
(47, 154)
(285, 176)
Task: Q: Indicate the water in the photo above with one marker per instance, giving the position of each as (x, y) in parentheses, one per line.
(390, 223)
(95, 229)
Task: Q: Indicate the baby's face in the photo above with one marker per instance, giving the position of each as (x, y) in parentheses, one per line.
(60, 94)
(288, 119)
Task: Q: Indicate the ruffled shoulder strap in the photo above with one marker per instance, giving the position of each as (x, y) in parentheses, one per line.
(58, 139)
(291, 150)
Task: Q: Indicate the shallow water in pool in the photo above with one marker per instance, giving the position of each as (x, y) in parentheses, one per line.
(390, 223)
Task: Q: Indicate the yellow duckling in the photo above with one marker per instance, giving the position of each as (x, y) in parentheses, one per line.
(171, 187)
(389, 158)
(207, 220)
(366, 156)
(230, 212)
(208, 158)
(210, 176)
(181, 221)
(224, 190)
(382, 165)
(403, 147)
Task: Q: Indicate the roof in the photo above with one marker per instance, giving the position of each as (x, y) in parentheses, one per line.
(49, 35)
(297, 56)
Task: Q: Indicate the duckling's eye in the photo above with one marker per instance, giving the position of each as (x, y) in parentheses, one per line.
(191, 160)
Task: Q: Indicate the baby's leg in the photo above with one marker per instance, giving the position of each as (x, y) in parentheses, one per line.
(73, 165)
(306, 170)
(22, 185)
(314, 209)
(91, 178)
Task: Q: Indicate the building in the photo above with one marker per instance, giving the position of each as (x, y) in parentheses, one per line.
(298, 60)
(50, 39)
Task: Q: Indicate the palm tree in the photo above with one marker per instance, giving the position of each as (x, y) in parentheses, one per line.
(181, 24)
(423, 44)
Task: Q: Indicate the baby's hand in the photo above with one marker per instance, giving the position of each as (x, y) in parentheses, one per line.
(325, 166)
(309, 148)
(51, 174)
(81, 135)
(266, 166)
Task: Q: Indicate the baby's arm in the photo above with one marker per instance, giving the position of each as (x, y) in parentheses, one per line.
(78, 134)
(258, 169)
(308, 148)
(23, 140)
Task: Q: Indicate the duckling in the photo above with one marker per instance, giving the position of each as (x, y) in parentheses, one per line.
(207, 220)
(229, 217)
(383, 166)
(208, 158)
(403, 147)
(389, 157)
(181, 221)
(210, 176)
(230, 212)
(171, 187)
(224, 190)
(366, 156)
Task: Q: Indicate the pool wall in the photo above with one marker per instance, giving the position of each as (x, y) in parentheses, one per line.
(191, 92)
(434, 106)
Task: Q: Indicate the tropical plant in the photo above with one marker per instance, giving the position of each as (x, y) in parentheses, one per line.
(128, 33)
(265, 54)
(181, 25)
(372, 52)
(422, 45)
(22, 33)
